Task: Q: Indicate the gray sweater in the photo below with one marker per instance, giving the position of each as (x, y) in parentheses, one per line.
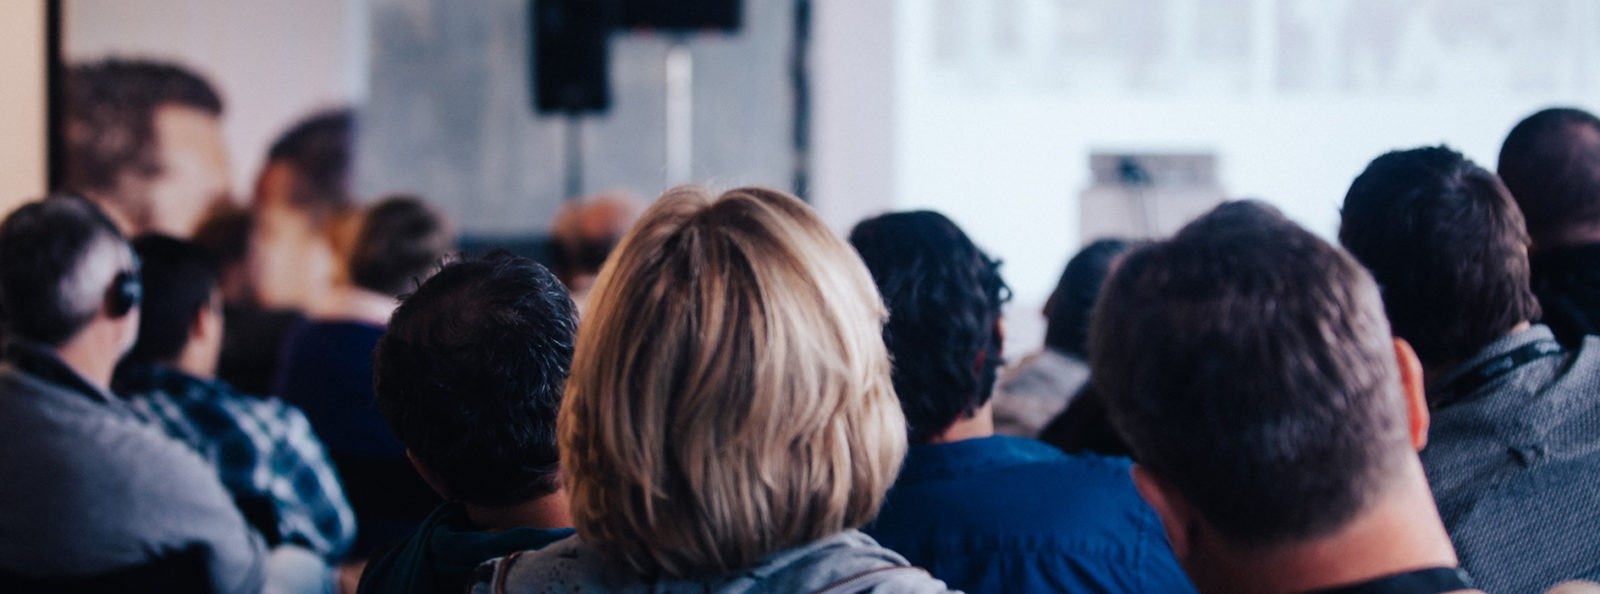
(89, 488)
(573, 566)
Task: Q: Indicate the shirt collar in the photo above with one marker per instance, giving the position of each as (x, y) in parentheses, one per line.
(1499, 347)
(43, 363)
(933, 461)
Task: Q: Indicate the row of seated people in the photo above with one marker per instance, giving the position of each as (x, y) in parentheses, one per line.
(724, 427)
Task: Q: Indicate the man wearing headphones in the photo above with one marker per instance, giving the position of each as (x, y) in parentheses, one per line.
(87, 490)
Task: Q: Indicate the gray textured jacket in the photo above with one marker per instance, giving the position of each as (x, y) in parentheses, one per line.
(846, 563)
(89, 488)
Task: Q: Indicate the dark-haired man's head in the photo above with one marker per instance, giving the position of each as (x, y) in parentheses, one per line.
(144, 140)
(309, 168)
(1250, 368)
(470, 376)
(944, 297)
(1446, 243)
(1073, 300)
(398, 244)
(63, 264)
(1551, 163)
(182, 307)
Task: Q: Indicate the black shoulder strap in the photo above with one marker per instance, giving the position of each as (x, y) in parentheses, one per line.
(1437, 580)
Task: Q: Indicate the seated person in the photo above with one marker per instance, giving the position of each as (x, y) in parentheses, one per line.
(1513, 440)
(89, 487)
(1043, 384)
(327, 369)
(261, 448)
(1551, 164)
(470, 376)
(729, 420)
(1274, 418)
(582, 236)
(989, 513)
(251, 334)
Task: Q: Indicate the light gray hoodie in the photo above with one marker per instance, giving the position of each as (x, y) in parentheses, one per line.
(846, 563)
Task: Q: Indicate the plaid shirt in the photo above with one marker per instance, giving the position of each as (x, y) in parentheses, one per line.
(262, 448)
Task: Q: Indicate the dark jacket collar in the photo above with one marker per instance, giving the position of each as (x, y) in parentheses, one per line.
(42, 363)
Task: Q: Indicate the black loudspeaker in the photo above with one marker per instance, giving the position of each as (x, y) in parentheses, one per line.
(683, 15)
(571, 62)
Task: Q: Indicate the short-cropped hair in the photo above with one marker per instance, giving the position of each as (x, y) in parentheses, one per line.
(1447, 246)
(400, 242)
(1551, 163)
(57, 260)
(110, 110)
(1248, 364)
(470, 376)
(321, 151)
(730, 397)
(180, 280)
(944, 297)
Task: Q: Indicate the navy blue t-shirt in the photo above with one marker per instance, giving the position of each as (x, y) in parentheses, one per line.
(1004, 514)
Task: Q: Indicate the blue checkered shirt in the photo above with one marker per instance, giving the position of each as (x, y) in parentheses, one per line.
(262, 448)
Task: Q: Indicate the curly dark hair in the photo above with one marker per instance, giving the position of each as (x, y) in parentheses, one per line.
(470, 376)
(944, 297)
(110, 111)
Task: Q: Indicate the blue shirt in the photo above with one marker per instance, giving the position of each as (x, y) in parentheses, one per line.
(1005, 514)
(262, 448)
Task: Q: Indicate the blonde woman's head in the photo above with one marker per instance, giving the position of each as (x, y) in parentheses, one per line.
(730, 396)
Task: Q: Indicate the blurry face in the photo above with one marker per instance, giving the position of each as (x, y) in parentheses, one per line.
(194, 169)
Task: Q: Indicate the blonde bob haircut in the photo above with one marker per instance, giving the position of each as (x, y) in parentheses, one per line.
(730, 395)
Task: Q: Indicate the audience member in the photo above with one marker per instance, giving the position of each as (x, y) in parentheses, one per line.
(470, 376)
(1514, 414)
(90, 488)
(730, 419)
(1085, 427)
(1043, 384)
(1551, 164)
(263, 449)
(144, 141)
(301, 198)
(327, 368)
(251, 334)
(1030, 517)
(583, 235)
(1274, 418)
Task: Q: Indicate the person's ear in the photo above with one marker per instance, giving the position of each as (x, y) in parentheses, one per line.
(1416, 394)
(1000, 336)
(1177, 517)
(428, 475)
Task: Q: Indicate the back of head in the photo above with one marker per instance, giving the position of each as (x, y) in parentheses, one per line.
(1075, 294)
(1249, 365)
(319, 151)
(58, 258)
(470, 376)
(110, 132)
(1551, 163)
(585, 231)
(180, 281)
(730, 396)
(1447, 246)
(400, 241)
(944, 297)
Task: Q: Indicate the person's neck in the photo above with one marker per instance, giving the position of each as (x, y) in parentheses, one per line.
(1398, 532)
(358, 304)
(549, 511)
(93, 354)
(978, 425)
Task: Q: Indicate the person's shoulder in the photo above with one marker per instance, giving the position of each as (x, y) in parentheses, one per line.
(568, 564)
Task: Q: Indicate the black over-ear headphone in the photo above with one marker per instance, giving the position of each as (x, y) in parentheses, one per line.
(124, 294)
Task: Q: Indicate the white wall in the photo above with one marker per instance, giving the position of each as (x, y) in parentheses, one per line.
(22, 102)
(273, 62)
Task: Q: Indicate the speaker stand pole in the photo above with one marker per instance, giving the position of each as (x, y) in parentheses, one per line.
(573, 183)
(680, 112)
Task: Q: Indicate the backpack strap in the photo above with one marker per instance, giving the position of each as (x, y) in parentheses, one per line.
(869, 579)
(501, 568)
